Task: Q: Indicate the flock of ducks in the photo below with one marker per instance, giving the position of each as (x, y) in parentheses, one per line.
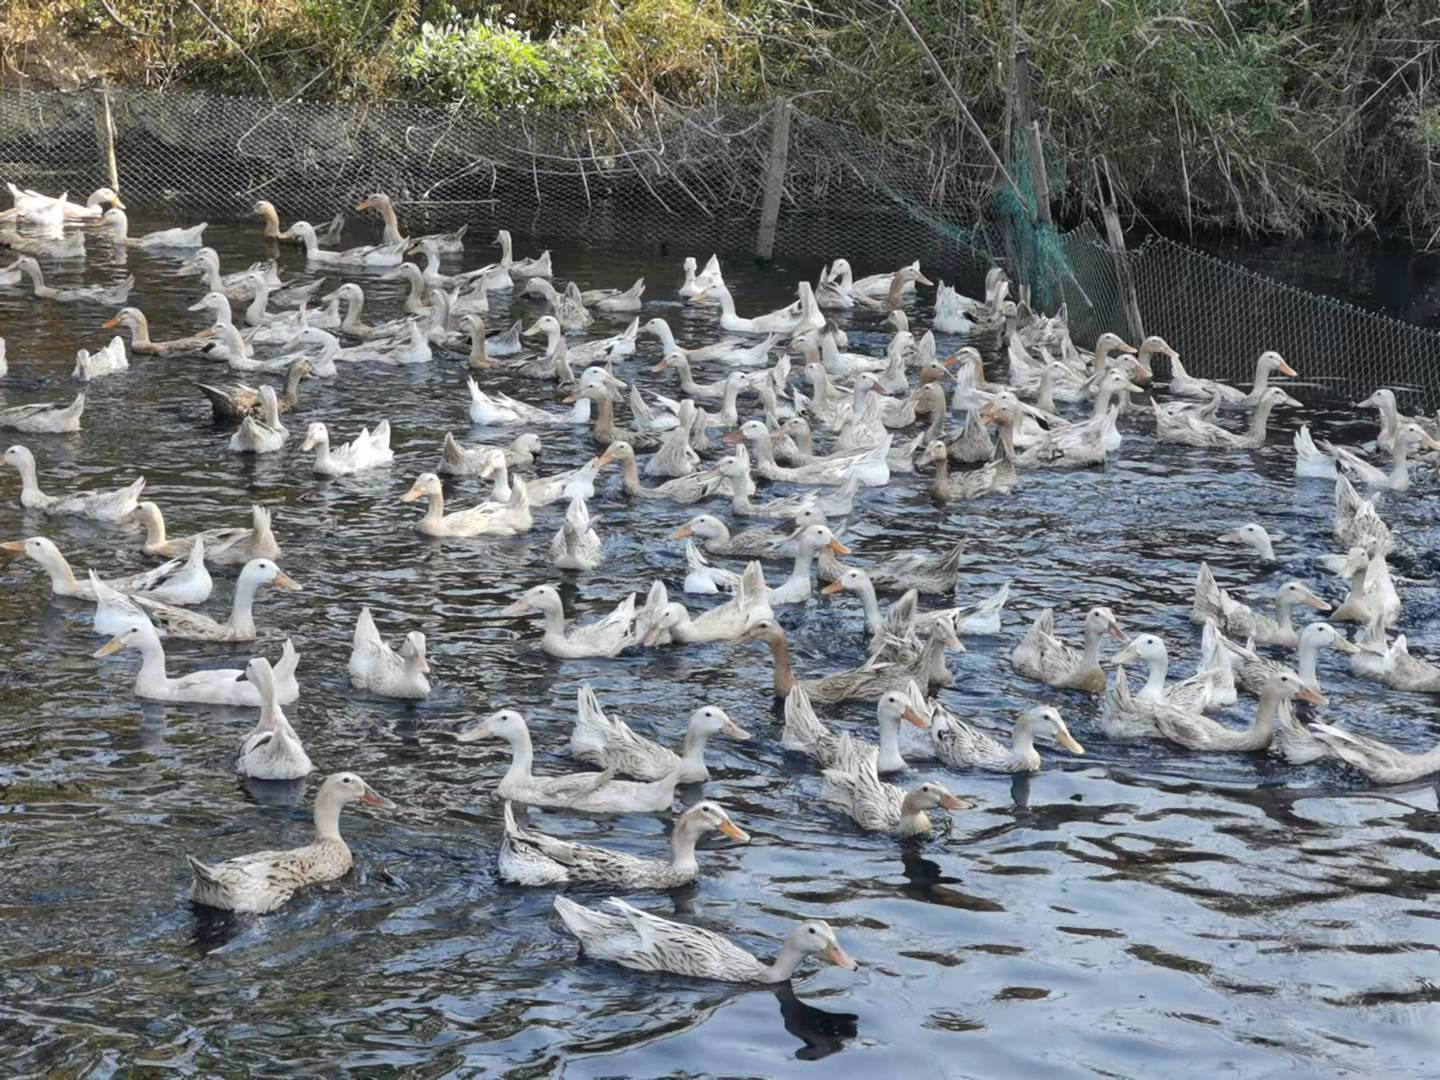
(786, 402)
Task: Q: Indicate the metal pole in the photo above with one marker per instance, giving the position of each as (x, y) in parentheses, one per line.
(775, 166)
(105, 137)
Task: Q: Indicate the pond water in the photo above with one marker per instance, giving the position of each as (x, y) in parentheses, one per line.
(1138, 912)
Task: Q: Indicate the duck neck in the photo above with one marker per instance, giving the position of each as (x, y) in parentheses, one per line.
(29, 483)
(1262, 380)
(783, 966)
(507, 254)
(522, 757)
(692, 752)
(392, 224)
(873, 619)
(255, 313)
(62, 576)
(682, 848)
(630, 473)
(354, 304)
(942, 472)
(784, 673)
(662, 330)
(896, 296)
(154, 524)
(242, 611)
(730, 403)
(477, 357)
(764, 451)
(1154, 688)
(500, 490)
(890, 757)
(213, 282)
(322, 453)
(120, 227)
(913, 821)
(327, 815)
(1091, 655)
(1307, 653)
(139, 330)
(414, 299)
(271, 218)
(1284, 608)
(804, 560)
(554, 618)
(1265, 717)
(152, 661)
(1400, 470)
(434, 507)
(727, 302)
(1259, 421)
(292, 384)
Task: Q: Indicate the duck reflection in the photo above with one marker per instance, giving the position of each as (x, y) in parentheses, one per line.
(274, 792)
(823, 1032)
(925, 881)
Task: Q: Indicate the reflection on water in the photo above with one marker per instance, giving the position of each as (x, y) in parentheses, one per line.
(1138, 912)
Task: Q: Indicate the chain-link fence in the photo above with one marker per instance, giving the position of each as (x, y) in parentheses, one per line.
(696, 179)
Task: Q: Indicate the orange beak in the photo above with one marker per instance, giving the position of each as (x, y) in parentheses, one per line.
(734, 832)
(916, 719)
(363, 204)
(1286, 369)
(682, 532)
(605, 458)
(950, 802)
(1314, 697)
(836, 955)
(833, 588)
(839, 548)
(112, 324)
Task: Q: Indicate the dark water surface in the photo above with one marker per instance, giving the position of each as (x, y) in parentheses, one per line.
(1140, 912)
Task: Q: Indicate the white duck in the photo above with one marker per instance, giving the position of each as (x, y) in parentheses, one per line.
(164, 239)
(608, 636)
(488, 519)
(801, 315)
(500, 410)
(107, 361)
(610, 744)
(212, 686)
(109, 506)
(375, 666)
(264, 434)
(368, 450)
(272, 751)
(367, 255)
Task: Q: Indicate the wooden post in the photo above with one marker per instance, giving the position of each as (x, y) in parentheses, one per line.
(1115, 236)
(105, 137)
(775, 168)
(1038, 176)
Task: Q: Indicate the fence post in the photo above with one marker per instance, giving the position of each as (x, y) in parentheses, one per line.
(105, 136)
(775, 166)
(1116, 236)
(1038, 176)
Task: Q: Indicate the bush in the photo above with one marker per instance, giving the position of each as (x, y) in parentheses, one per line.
(492, 65)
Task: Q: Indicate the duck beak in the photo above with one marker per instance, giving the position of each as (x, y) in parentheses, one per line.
(1349, 648)
(1125, 655)
(915, 718)
(607, 458)
(1285, 369)
(309, 443)
(476, 733)
(952, 802)
(414, 493)
(838, 548)
(115, 202)
(836, 955)
(923, 280)
(736, 732)
(734, 832)
(988, 415)
(1432, 443)
(1067, 740)
(111, 647)
(833, 588)
(1125, 348)
(732, 438)
(682, 532)
(14, 547)
(1314, 601)
(112, 324)
(651, 637)
(286, 582)
(375, 799)
(1314, 697)
(1116, 632)
(534, 329)
(519, 607)
(363, 204)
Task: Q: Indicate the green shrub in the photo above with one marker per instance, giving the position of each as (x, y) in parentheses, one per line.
(491, 65)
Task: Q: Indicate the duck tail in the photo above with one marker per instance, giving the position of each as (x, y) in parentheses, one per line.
(803, 729)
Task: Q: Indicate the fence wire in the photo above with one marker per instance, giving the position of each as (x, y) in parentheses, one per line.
(694, 178)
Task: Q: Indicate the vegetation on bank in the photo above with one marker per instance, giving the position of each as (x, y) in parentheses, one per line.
(1271, 114)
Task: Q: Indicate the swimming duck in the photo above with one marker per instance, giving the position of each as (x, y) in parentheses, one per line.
(643, 942)
(855, 787)
(109, 506)
(808, 543)
(57, 247)
(1254, 671)
(449, 242)
(1074, 446)
(961, 745)
(1401, 671)
(263, 881)
(663, 620)
(758, 543)
(91, 210)
(595, 793)
(368, 450)
(239, 626)
(212, 686)
(702, 579)
(615, 300)
(487, 519)
(610, 744)
(736, 351)
(376, 667)
(521, 268)
(1391, 419)
(871, 465)
(866, 682)
(1211, 687)
(43, 417)
(458, 460)
(1189, 430)
(184, 584)
(566, 308)
(272, 751)
(133, 319)
(608, 636)
(533, 858)
(801, 315)
(366, 255)
(114, 295)
(1182, 384)
(578, 482)
(874, 286)
(805, 733)
(1377, 761)
(107, 361)
(264, 434)
(982, 617)
(576, 545)
(697, 282)
(1046, 658)
(1372, 590)
(63, 581)
(271, 218)
(1238, 621)
(1357, 523)
(164, 239)
(237, 401)
(1197, 732)
(1409, 438)
(996, 477)
(501, 410)
(223, 547)
(682, 489)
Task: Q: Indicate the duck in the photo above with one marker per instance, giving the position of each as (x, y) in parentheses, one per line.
(1391, 419)
(1357, 522)
(1310, 460)
(866, 682)
(1254, 536)
(665, 621)
(113, 295)
(996, 477)
(1377, 761)
(682, 489)
(44, 417)
(179, 622)
(237, 401)
(1237, 620)
(1182, 384)
(702, 579)
(500, 410)
(1189, 430)
(883, 292)
(566, 308)
(375, 666)
(59, 248)
(108, 506)
(1401, 671)
(63, 581)
(165, 239)
(576, 545)
(544, 490)
(223, 547)
(183, 584)
(1211, 687)
(961, 746)
(261, 882)
(854, 786)
(1254, 671)
(486, 351)
(735, 351)
(272, 751)
(608, 636)
(110, 360)
(643, 942)
(594, 793)
(761, 542)
(264, 434)
(539, 266)
(266, 211)
(488, 519)
(1073, 446)
(1046, 658)
(368, 450)
(610, 744)
(698, 281)
(528, 857)
(458, 460)
(805, 733)
(452, 242)
(873, 286)
(981, 617)
(808, 543)
(91, 210)
(871, 465)
(799, 316)
(211, 686)
(1195, 731)
(366, 255)
(1372, 590)
(623, 301)
(1408, 438)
